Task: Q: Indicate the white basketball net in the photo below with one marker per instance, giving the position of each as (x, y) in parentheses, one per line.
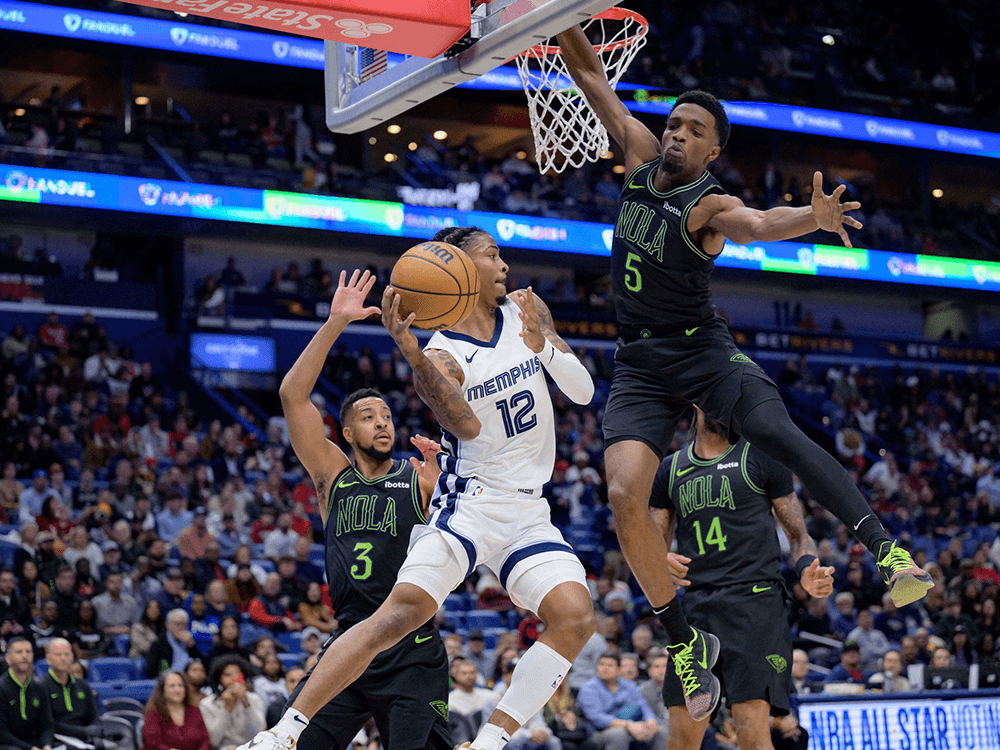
(566, 130)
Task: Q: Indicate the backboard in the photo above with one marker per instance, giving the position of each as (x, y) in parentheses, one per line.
(499, 31)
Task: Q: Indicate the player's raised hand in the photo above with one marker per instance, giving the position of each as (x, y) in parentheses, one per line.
(427, 468)
(677, 565)
(830, 213)
(531, 323)
(349, 300)
(817, 581)
(396, 325)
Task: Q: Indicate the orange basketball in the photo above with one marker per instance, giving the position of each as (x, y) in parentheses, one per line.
(438, 282)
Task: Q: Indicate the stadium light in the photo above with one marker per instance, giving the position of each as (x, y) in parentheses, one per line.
(829, 40)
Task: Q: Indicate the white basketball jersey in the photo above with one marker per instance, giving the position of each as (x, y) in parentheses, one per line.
(505, 386)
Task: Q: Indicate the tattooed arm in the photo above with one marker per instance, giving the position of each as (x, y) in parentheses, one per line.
(437, 377)
(814, 579)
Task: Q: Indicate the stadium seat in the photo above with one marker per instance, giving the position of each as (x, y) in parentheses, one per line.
(121, 644)
(112, 669)
(41, 667)
(292, 660)
(481, 619)
(7, 550)
(456, 603)
(292, 641)
(249, 632)
(122, 704)
(139, 690)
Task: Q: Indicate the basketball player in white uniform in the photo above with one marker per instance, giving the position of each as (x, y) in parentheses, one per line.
(485, 381)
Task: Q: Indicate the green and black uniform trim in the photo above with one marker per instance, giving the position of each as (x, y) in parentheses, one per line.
(726, 526)
(25, 715)
(367, 532)
(660, 273)
(73, 705)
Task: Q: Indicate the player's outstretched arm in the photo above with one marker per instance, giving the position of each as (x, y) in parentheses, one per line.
(437, 377)
(635, 139)
(727, 217)
(321, 458)
(539, 333)
(817, 581)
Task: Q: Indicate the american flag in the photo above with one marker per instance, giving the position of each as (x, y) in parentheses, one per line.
(371, 62)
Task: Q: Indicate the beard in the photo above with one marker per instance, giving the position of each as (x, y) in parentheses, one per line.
(501, 298)
(372, 452)
(671, 167)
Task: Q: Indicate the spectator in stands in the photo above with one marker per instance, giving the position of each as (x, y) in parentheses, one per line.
(469, 706)
(10, 488)
(872, 643)
(615, 711)
(39, 143)
(174, 648)
(585, 664)
(16, 344)
(849, 669)
(172, 722)
(628, 667)
(313, 612)
(146, 631)
(79, 546)
(890, 679)
(174, 518)
(142, 584)
(312, 641)
(31, 500)
(112, 554)
(277, 707)
(47, 628)
(65, 596)
(46, 560)
(652, 689)
(304, 566)
(801, 685)
(72, 702)
(30, 587)
(563, 718)
(197, 676)
(270, 683)
(232, 713)
(53, 335)
(212, 297)
(25, 715)
(15, 611)
(293, 589)
(217, 603)
(172, 595)
(230, 537)
(845, 621)
(242, 588)
(269, 609)
(193, 541)
(941, 659)
(475, 652)
(89, 642)
(281, 541)
(117, 612)
(228, 643)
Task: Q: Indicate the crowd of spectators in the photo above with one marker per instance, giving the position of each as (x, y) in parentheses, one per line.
(139, 527)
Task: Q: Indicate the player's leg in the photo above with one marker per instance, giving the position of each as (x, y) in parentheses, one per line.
(752, 720)
(684, 733)
(334, 725)
(760, 416)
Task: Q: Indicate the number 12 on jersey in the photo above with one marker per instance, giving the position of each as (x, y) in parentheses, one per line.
(713, 537)
(520, 422)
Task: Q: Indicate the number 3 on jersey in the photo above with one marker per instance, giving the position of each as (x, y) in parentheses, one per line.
(520, 423)
(633, 277)
(361, 572)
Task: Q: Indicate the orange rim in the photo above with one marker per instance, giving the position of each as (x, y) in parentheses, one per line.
(540, 51)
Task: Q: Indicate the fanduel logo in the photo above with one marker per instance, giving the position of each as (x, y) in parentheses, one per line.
(672, 209)
(947, 138)
(730, 465)
(876, 129)
(821, 122)
(72, 22)
(280, 49)
(179, 34)
(12, 16)
(608, 235)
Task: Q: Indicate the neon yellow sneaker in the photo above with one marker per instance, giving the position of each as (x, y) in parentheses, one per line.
(693, 662)
(907, 583)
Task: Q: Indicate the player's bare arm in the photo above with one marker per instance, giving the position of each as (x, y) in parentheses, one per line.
(320, 457)
(538, 323)
(636, 140)
(437, 377)
(665, 520)
(816, 580)
(718, 217)
(426, 467)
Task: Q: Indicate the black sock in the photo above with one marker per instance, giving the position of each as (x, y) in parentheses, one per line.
(674, 622)
(767, 426)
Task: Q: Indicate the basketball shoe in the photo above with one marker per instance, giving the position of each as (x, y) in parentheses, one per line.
(269, 739)
(907, 583)
(693, 662)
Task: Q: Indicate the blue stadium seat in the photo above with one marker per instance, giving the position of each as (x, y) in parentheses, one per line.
(122, 643)
(139, 666)
(291, 660)
(456, 602)
(492, 635)
(480, 619)
(112, 669)
(266, 565)
(290, 640)
(140, 690)
(7, 550)
(41, 667)
(249, 632)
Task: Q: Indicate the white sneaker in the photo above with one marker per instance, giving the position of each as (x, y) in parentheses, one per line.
(269, 740)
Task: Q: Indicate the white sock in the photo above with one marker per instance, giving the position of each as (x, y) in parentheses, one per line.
(490, 737)
(536, 677)
(291, 724)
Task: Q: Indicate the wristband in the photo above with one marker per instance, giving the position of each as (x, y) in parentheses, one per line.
(801, 564)
(547, 353)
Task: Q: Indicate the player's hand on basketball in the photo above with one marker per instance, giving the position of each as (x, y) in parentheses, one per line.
(396, 325)
(677, 565)
(817, 581)
(830, 213)
(531, 323)
(427, 467)
(349, 300)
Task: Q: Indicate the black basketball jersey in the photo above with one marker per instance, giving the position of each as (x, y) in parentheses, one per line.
(659, 272)
(367, 534)
(723, 509)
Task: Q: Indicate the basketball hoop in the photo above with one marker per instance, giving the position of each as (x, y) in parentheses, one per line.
(566, 130)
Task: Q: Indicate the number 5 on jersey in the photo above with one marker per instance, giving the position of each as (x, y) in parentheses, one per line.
(633, 277)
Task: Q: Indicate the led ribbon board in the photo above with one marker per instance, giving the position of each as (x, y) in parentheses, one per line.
(276, 208)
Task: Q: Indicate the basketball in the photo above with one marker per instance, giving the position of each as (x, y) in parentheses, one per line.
(438, 282)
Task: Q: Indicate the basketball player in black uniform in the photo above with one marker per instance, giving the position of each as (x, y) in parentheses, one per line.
(720, 497)
(673, 351)
(368, 510)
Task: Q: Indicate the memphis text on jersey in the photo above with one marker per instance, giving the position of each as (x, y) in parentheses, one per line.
(504, 380)
(696, 494)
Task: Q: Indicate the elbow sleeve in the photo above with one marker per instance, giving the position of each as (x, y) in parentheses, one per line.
(568, 373)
